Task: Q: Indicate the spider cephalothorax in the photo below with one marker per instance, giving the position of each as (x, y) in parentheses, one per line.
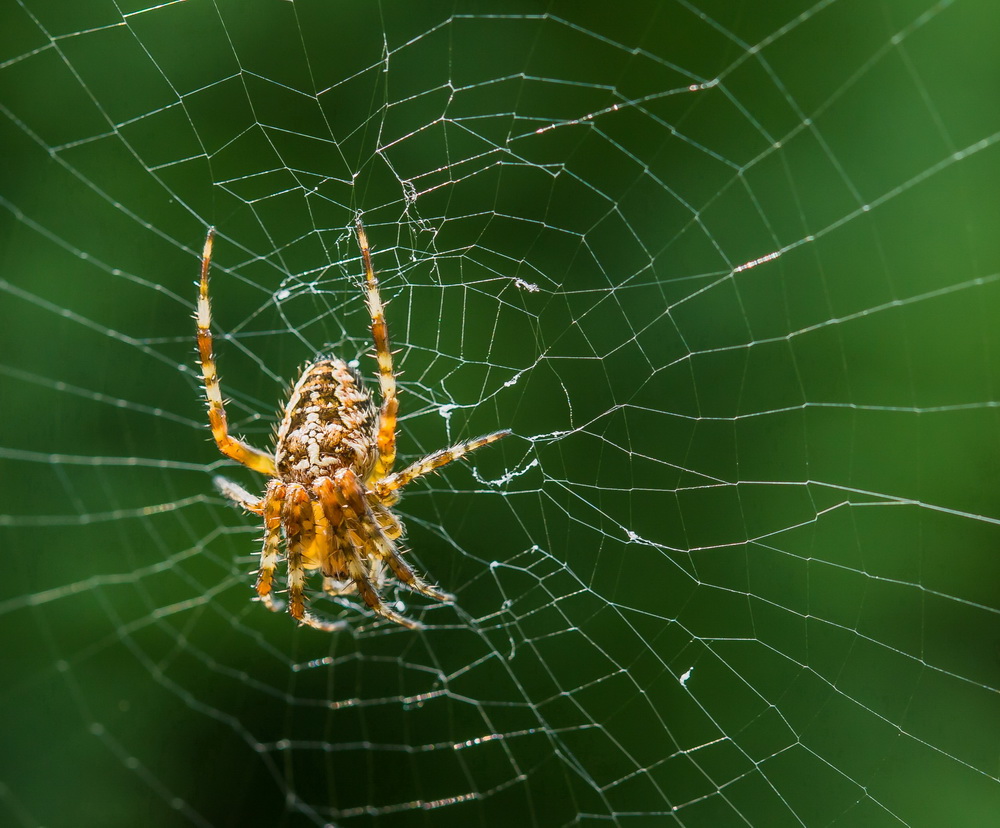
(332, 483)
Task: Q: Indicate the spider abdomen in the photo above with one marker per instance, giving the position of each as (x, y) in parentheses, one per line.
(330, 422)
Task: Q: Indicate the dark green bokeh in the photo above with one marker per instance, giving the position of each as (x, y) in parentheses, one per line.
(783, 476)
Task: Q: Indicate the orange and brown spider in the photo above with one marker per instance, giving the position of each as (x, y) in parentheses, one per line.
(332, 483)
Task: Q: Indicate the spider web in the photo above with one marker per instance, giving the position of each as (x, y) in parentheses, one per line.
(728, 271)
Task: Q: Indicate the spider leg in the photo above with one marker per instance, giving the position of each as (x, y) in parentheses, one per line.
(354, 536)
(376, 537)
(383, 354)
(336, 578)
(270, 554)
(384, 488)
(238, 495)
(300, 531)
(388, 523)
(404, 572)
(230, 446)
(341, 585)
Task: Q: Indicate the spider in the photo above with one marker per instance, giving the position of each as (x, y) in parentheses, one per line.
(332, 485)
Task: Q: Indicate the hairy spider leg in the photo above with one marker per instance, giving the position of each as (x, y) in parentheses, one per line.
(236, 493)
(390, 525)
(230, 446)
(383, 354)
(326, 552)
(336, 579)
(270, 553)
(385, 488)
(299, 519)
(374, 536)
(351, 537)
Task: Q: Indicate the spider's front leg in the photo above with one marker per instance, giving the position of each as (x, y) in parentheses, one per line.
(386, 438)
(230, 446)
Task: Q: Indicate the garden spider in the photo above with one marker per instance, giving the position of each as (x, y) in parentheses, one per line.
(332, 483)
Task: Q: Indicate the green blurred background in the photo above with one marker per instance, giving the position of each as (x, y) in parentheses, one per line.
(737, 566)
